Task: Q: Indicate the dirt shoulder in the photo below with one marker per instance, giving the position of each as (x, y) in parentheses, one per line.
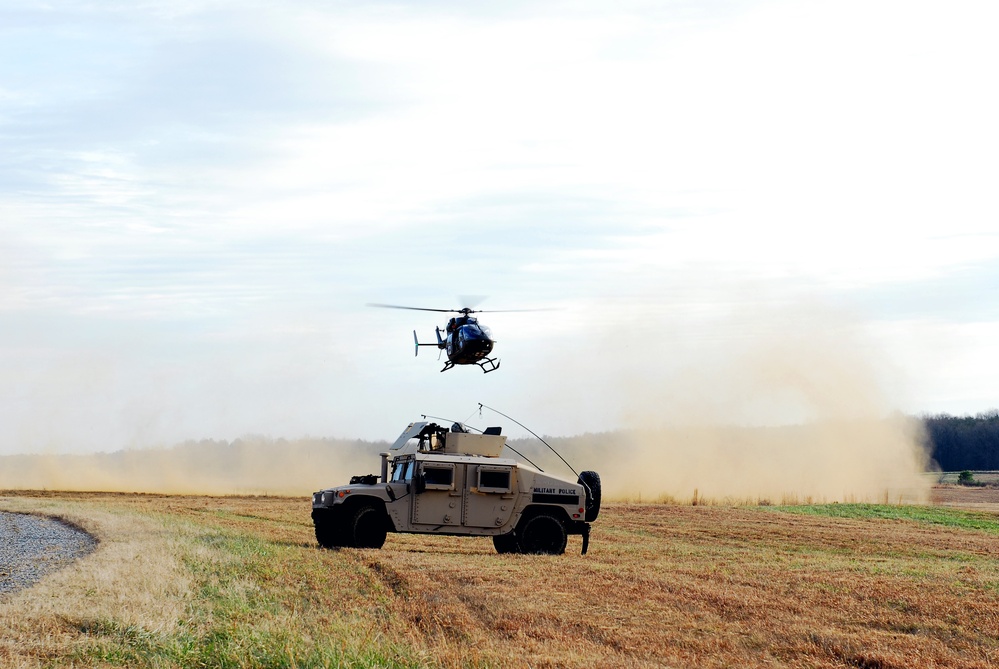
(32, 546)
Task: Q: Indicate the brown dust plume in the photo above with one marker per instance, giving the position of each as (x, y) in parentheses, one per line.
(252, 465)
(762, 405)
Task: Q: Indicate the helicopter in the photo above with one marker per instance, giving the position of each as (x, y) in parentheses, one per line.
(465, 340)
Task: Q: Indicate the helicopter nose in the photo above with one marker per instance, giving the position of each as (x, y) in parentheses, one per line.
(483, 346)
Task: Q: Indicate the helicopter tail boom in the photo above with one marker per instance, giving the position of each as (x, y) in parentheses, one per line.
(416, 340)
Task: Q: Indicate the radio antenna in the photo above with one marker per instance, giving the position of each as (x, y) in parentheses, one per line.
(478, 430)
(483, 406)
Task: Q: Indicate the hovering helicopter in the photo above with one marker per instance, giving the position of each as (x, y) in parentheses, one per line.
(466, 341)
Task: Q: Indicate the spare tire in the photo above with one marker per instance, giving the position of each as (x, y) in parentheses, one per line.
(591, 481)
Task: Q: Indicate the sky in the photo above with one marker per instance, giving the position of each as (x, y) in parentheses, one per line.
(199, 198)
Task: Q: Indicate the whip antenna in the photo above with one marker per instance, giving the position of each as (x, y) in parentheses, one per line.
(478, 430)
(483, 406)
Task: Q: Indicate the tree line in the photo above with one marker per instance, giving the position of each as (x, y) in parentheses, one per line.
(964, 442)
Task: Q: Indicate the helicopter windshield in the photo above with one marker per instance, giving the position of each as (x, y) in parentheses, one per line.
(474, 331)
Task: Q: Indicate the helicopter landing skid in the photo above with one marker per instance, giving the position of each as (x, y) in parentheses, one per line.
(487, 365)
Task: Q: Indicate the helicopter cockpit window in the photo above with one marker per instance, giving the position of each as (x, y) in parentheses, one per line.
(476, 330)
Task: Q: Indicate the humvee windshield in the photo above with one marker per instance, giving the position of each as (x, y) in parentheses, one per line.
(403, 471)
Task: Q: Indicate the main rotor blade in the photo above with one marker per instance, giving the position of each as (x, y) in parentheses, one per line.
(511, 311)
(397, 306)
(466, 310)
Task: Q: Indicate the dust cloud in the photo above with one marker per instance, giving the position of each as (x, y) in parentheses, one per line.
(252, 465)
(769, 405)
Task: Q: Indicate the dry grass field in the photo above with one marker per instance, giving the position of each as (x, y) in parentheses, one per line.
(239, 582)
(985, 498)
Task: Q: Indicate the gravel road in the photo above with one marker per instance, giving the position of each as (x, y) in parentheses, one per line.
(33, 546)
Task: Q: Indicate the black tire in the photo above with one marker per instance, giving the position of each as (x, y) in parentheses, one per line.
(368, 527)
(591, 481)
(542, 534)
(329, 529)
(506, 543)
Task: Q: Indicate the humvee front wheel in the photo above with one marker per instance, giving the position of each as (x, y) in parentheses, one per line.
(543, 534)
(329, 529)
(368, 527)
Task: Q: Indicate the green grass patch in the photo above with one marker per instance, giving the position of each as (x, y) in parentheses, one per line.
(931, 515)
(127, 646)
(248, 610)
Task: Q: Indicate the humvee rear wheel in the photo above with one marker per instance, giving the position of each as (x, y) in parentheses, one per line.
(505, 543)
(543, 534)
(368, 527)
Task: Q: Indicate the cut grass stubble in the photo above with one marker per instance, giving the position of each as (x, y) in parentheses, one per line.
(238, 582)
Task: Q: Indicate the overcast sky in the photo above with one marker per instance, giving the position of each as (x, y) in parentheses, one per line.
(198, 198)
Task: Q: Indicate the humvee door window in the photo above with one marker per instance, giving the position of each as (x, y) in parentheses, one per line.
(494, 480)
(438, 478)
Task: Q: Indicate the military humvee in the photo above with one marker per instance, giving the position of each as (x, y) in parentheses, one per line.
(439, 481)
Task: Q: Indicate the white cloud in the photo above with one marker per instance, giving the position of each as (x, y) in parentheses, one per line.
(244, 174)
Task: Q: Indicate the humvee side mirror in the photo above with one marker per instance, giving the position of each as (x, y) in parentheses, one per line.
(419, 483)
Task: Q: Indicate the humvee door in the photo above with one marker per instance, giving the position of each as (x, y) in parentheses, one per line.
(490, 498)
(437, 502)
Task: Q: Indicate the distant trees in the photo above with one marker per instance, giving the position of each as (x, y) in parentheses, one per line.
(964, 442)
(966, 478)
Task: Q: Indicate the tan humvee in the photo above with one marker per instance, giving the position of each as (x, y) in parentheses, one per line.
(436, 481)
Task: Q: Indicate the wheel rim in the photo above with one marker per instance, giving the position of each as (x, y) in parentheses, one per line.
(543, 535)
